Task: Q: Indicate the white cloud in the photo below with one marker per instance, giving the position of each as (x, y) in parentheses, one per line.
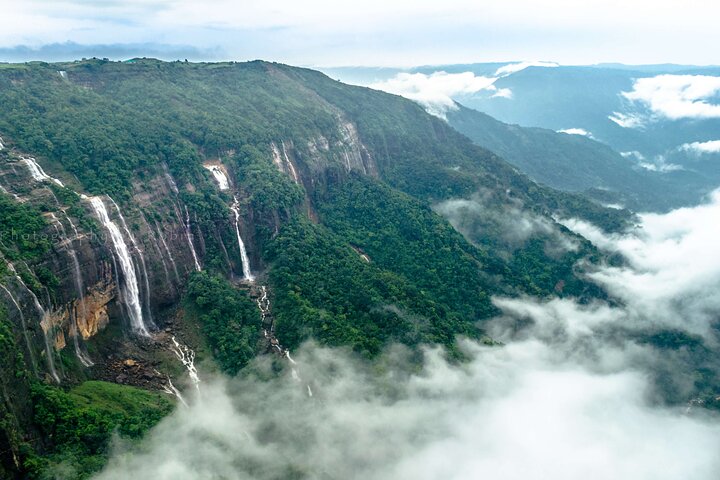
(503, 93)
(435, 91)
(442, 421)
(674, 270)
(472, 217)
(699, 148)
(627, 120)
(516, 67)
(659, 165)
(675, 97)
(633, 153)
(576, 131)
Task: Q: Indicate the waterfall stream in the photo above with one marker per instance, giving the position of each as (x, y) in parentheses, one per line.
(247, 273)
(187, 357)
(46, 327)
(24, 328)
(188, 234)
(131, 291)
(37, 173)
(219, 176)
(80, 289)
(142, 261)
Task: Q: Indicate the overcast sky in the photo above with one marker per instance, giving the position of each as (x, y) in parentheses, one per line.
(373, 32)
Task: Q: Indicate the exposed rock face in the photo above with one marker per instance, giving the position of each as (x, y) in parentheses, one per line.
(92, 310)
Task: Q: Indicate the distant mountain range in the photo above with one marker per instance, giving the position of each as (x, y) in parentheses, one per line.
(663, 121)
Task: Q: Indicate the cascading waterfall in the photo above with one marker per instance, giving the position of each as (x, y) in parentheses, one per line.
(247, 274)
(2, 145)
(290, 165)
(188, 235)
(167, 251)
(170, 179)
(263, 303)
(170, 389)
(79, 287)
(37, 172)
(219, 176)
(187, 357)
(24, 328)
(142, 260)
(131, 291)
(46, 326)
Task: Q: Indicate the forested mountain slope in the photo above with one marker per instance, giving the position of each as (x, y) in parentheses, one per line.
(576, 163)
(225, 209)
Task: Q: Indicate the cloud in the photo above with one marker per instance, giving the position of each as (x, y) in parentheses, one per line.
(660, 166)
(516, 67)
(473, 217)
(576, 131)
(402, 32)
(438, 421)
(700, 148)
(627, 120)
(657, 164)
(503, 93)
(674, 267)
(435, 91)
(673, 97)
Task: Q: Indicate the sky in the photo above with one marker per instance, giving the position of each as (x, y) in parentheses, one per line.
(373, 32)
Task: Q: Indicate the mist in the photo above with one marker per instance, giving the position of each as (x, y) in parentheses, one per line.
(570, 390)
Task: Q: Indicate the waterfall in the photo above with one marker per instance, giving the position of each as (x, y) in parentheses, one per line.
(169, 178)
(2, 145)
(247, 274)
(219, 176)
(188, 234)
(290, 165)
(187, 357)
(37, 172)
(161, 236)
(45, 326)
(79, 287)
(263, 303)
(171, 390)
(24, 328)
(142, 260)
(131, 291)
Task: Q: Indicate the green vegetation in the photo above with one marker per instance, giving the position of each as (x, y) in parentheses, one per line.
(324, 289)
(22, 230)
(77, 424)
(230, 320)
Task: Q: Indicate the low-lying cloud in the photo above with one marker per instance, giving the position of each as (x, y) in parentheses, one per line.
(673, 274)
(576, 131)
(700, 148)
(517, 67)
(436, 91)
(473, 217)
(514, 412)
(672, 97)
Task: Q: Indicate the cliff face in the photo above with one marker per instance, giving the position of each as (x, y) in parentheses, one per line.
(166, 240)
